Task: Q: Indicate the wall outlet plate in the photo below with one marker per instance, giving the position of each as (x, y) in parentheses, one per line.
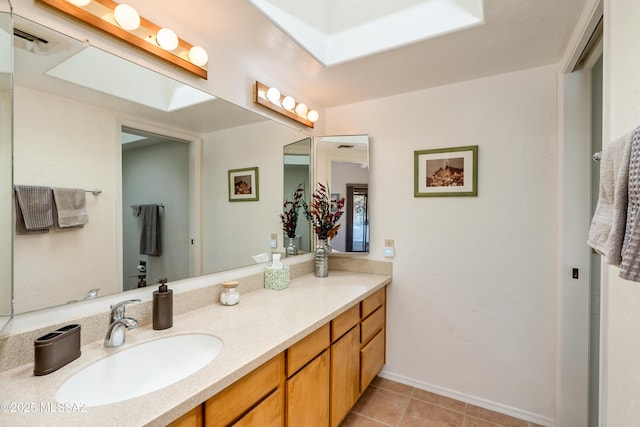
(388, 252)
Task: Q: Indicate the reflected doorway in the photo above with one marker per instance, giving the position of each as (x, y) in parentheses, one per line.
(357, 212)
(155, 208)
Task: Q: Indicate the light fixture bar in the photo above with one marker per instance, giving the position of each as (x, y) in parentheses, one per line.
(260, 97)
(99, 14)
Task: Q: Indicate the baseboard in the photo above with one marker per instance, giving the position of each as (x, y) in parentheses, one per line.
(483, 403)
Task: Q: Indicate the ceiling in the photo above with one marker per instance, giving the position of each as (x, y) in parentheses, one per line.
(517, 34)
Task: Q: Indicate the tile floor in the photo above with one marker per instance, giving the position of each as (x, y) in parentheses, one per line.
(388, 403)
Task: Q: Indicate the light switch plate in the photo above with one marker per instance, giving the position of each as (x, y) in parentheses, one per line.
(273, 243)
(389, 250)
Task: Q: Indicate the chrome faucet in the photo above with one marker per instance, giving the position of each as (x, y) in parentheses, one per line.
(118, 324)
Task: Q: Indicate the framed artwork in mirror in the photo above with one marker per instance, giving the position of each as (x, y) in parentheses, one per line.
(446, 172)
(243, 185)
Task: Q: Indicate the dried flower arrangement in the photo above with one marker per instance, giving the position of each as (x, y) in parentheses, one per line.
(320, 214)
(289, 216)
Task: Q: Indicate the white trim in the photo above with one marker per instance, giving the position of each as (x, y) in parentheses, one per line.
(483, 403)
(589, 18)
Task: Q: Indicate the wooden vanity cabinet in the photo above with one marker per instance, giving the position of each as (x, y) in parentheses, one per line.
(315, 382)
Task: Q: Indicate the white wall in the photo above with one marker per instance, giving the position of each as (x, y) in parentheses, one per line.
(47, 131)
(472, 304)
(225, 223)
(620, 405)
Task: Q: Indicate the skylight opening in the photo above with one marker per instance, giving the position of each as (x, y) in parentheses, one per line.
(341, 32)
(125, 80)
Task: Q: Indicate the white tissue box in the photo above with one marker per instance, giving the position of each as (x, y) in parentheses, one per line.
(276, 278)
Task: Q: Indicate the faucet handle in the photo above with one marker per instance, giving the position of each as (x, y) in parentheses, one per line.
(117, 310)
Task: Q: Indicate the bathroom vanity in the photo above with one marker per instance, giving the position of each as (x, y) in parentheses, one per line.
(306, 352)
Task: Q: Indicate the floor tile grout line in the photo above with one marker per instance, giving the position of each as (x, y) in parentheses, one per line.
(373, 419)
(404, 412)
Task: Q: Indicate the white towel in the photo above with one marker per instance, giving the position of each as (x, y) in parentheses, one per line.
(607, 231)
(71, 207)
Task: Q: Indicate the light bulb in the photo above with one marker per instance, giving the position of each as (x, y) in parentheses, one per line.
(301, 109)
(288, 103)
(79, 3)
(198, 56)
(167, 39)
(127, 17)
(313, 116)
(273, 95)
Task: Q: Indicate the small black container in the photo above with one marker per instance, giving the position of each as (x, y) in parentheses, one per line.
(162, 306)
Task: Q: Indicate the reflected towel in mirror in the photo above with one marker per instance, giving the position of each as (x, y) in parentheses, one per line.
(71, 207)
(150, 234)
(34, 209)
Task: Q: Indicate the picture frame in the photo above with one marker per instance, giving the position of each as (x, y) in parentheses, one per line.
(244, 185)
(334, 202)
(446, 172)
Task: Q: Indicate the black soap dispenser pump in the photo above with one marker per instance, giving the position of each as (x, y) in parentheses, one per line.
(162, 306)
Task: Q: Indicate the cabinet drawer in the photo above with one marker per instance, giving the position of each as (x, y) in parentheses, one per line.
(371, 360)
(226, 406)
(372, 302)
(347, 320)
(269, 413)
(372, 325)
(306, 349)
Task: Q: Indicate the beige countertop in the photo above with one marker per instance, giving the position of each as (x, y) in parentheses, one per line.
(264, 324)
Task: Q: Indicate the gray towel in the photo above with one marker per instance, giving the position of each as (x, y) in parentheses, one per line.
(150, 235)
(71, 207)
(630, 266)
(608, 225)
(34, 209)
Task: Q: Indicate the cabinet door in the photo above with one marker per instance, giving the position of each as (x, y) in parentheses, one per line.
(371, 360)
(193, 418)
(308, 394)
(269, 413)
(345, 374)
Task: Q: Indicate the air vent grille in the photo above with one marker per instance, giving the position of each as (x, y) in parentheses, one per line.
(28, 36)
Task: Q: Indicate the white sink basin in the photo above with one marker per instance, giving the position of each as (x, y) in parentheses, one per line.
(140, 370)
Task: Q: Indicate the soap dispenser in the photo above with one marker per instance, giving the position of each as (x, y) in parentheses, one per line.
(162, 306)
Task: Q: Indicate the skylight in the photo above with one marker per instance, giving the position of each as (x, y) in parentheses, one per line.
(337, 31)
(118, 77)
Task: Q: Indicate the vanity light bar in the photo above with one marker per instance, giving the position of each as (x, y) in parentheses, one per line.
(272, 99)
(101, 14)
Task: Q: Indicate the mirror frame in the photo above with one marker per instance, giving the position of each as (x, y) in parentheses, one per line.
(6, 171)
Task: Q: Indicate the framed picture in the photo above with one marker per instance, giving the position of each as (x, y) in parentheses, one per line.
(446, 172)
(243, 185)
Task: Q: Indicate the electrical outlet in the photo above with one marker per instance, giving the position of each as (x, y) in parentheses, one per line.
(273, 242)
(388, 242)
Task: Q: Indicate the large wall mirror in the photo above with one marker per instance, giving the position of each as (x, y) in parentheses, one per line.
(6, 125)
(342, 161)
(149, 144)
